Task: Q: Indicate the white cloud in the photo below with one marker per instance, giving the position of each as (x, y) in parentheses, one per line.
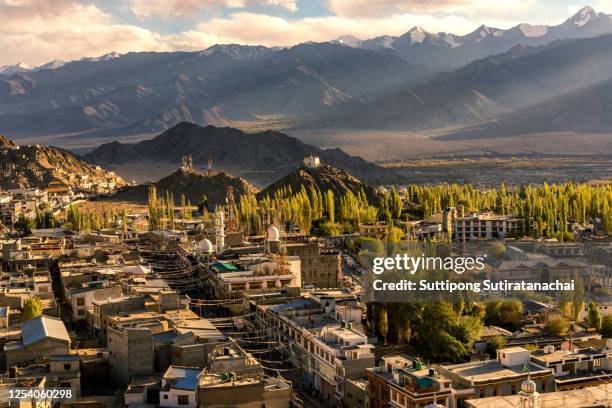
(188, 8)
(178, 8)
(497, 13)
(36, 31)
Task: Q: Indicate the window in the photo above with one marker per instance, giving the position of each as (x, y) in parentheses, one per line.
(80, 301)
(165, 396)
(183, 399)
(597, 363)
(67, 366)
(43, 289)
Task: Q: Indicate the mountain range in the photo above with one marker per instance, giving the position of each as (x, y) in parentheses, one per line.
(445, 51)
(488, 83)
(491, 88)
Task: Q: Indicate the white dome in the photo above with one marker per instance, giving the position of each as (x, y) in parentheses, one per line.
(205, 246)
(273, 233)
(528, 386)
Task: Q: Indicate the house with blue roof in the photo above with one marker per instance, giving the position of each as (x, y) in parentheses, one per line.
(179, 387)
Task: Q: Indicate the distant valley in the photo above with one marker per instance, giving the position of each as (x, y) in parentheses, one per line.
(527, 90)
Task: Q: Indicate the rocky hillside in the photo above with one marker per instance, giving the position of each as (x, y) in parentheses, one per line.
(264, 156)
(325, 178)
(192, 184)
(32, 166)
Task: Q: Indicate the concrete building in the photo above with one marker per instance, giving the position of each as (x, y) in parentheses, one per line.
(377, 230)
(179, 387)
(402, 381)
(321, 268)
(224, 390)
(104, 308)
(327, 350)
(486, 225)
(355, 393)
(588, 397)
(81, 299)
(253, 273)
(41, 337)
(501, 376)
(544, 270)
(130, 352)
(575, 368)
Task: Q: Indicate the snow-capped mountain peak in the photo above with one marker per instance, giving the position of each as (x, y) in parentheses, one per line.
(14, 69)
(348, 40)
(583, 16)
(417, 35)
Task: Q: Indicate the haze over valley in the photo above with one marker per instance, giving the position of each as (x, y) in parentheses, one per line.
(528, 91)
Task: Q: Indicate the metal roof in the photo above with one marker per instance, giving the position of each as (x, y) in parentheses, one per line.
(42, 327)
(185, 378)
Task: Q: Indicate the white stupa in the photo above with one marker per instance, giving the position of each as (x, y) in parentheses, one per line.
(273, 234)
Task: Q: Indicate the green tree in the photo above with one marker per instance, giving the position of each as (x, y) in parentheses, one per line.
(557, 326)
(494, 344)
(24, 225)
(606, 327)
(594, 316)
(31, 308)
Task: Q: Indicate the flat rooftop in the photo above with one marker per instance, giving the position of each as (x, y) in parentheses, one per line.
(586, 397)
(491, 370)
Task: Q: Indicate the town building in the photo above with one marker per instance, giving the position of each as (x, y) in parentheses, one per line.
(41, 337)
(180, 387)
(501, 376)
(321, 267)
(401, 381)
(327, 350)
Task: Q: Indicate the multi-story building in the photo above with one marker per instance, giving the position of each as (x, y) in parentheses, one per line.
(576, 368)
(482, 226)
(326, 350)
(377, 230)
(544, 270)
(130, 352)
(81, 298)
(500, 376)
(253, 273)
(405, 382)
(321, 268)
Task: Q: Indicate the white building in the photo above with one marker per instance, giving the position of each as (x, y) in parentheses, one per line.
(179, 387)
(312, 161)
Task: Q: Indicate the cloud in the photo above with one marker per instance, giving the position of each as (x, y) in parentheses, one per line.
(386, 7)
(188, 8)
(273, 31)
(36, 31)
(498, 12)
(178, 8)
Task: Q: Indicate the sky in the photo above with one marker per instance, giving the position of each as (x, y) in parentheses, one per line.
(38, 31)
